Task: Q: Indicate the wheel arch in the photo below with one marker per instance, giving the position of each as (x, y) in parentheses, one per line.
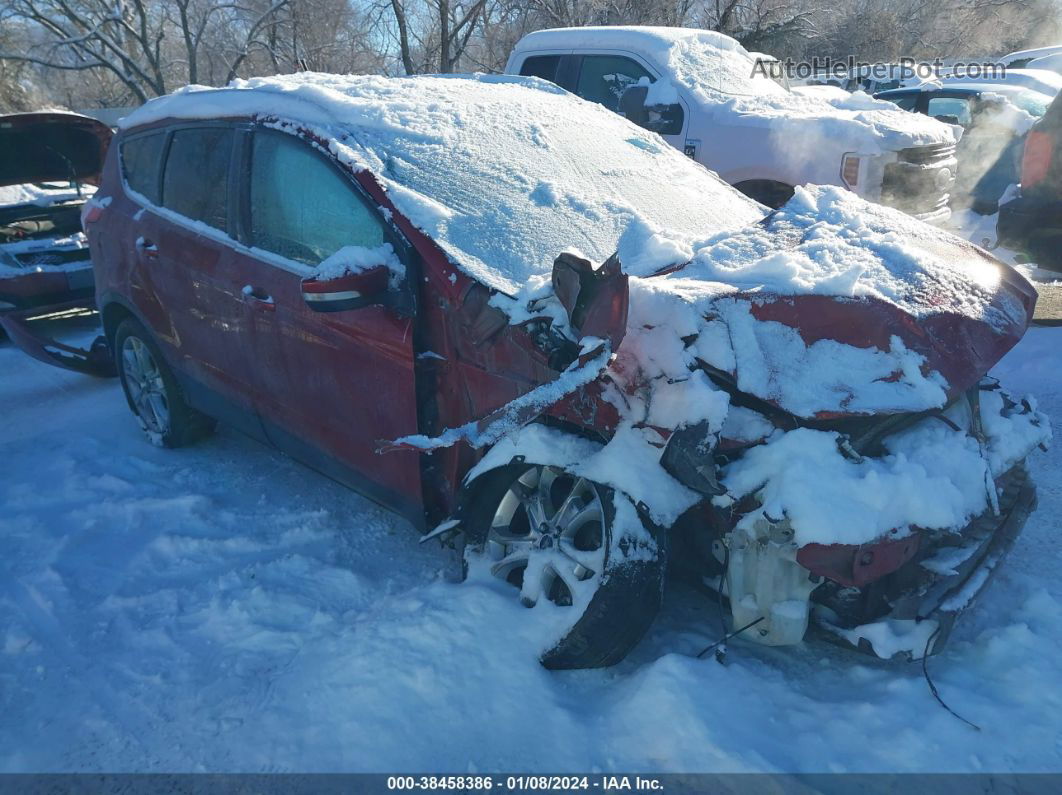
(113, 310)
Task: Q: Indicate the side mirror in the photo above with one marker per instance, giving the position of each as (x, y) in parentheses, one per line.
(349, 291)
(632, 104)
(948, 119)
(662, 119)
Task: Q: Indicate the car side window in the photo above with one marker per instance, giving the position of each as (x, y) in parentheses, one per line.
(196, 180)
(604, 78)
(301, 206)
(950, 109)
(907, 102)
(140, 164)
(544, 66)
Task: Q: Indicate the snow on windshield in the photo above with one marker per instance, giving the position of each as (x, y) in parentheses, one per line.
(503, 173)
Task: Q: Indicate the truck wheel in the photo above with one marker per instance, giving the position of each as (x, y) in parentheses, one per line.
(767, 192)
(152, 391)
(555, 538)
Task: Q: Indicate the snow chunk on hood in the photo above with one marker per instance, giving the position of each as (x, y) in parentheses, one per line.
(827, 241)
(504, 173)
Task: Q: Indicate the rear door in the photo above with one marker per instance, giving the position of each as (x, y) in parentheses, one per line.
(184, 251)
(328, 386)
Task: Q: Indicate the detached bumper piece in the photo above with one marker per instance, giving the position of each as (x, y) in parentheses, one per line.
(911, 612)
(95, 360)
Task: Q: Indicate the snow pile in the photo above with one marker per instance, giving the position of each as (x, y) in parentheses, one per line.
(504, 173)
(223, 609)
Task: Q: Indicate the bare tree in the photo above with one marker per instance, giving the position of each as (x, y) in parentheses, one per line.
(433, 35)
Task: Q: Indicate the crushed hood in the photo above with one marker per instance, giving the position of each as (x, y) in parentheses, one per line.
(51, 147)
(835, 307)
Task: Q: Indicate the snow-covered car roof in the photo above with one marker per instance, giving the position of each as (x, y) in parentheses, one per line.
(1035, 79)
(1030, 101)
(1051, 62)
(1036, 52)
(718, 72)
(504, 173)
(694, 55)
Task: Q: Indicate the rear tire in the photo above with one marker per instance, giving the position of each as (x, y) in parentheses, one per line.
(152, 391)
(616, 584)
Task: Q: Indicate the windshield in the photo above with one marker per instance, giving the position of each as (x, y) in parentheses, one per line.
(507, 177)
(1033, 103)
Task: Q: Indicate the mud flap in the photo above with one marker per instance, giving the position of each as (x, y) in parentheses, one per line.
(95, 360)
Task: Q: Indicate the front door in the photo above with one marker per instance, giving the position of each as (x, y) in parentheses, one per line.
(329, 386)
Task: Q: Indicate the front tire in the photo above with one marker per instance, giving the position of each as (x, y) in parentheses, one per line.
(152, 391)
(555, 537)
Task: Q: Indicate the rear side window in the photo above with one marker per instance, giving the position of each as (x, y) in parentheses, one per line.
(950, 109)
(140, 164)
(302, 207)
(544, 66)
(197, 175)
(604, 78)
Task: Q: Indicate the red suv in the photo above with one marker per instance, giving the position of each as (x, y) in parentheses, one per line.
(380, 277)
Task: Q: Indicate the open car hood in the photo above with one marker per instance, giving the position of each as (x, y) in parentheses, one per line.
(51, 147)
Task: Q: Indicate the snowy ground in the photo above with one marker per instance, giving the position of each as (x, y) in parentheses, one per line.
(223, 608)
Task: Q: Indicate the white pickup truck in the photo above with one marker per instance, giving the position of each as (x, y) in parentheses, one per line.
(704, 93)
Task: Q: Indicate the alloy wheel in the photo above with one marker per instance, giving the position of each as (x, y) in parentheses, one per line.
(547, 537)
(143, 380)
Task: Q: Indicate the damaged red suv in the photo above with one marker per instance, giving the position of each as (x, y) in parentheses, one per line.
(518, 319)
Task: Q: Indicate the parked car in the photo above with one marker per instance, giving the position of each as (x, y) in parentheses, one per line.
(1022, 58)
(379, 277)
(49, 164)
(994, 118)
(1032, 222)
(1052, 62)
(705, 95)
(1040, 80)
(882, 77)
